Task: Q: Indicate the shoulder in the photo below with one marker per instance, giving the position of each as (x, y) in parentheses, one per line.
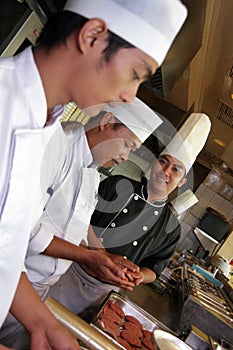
(119, 181)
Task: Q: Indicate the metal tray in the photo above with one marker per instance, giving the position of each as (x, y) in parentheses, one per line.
(130, 308)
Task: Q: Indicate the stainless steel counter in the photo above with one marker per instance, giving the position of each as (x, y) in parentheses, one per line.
(161, 306)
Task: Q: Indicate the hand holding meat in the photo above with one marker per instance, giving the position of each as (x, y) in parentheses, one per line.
(107, 268)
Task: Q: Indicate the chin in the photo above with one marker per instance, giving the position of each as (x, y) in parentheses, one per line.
(108, 164)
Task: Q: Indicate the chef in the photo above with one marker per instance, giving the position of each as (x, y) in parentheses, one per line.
(60, 69)
(133, 218)
(107, 139)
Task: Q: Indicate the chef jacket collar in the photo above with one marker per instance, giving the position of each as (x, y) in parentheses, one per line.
(28, 74)
(144, 194)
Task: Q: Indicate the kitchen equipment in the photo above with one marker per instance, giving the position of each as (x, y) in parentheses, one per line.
(81, 330)
(130, 308)
(167, 341)
(206, 307)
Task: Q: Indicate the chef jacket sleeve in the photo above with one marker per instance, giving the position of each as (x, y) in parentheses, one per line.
(40, 238)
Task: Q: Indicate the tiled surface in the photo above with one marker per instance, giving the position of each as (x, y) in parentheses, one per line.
(208, 198)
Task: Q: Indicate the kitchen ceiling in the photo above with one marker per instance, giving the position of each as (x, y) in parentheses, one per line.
(197, 75)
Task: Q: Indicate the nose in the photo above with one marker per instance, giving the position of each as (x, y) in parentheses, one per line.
(129, 95)
(125, 155)
(166, 170)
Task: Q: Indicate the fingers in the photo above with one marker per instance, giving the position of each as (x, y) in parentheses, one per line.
(124, 262)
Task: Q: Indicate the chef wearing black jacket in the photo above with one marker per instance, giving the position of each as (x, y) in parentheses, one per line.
(133, 218)
(144, 232)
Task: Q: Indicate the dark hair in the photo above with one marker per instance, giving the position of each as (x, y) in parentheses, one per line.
(62, 23)
(94, 121)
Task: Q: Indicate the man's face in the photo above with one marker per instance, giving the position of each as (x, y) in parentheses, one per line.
(166, 174)
(114, 146)
(118, 80)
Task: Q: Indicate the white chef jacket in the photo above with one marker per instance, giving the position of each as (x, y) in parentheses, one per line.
(67, 213)
(22, 144)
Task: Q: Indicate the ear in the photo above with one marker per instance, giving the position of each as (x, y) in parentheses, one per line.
(106, 121)
(93, 30)
(182, 182)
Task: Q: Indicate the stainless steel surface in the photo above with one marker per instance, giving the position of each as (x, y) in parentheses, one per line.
(90, 337)
(167, 341)
(210, 297)
(224, 316)
(214, 345)
(218, 305)
(130, 308)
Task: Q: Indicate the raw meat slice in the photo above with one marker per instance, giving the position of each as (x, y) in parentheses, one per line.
(132, 319)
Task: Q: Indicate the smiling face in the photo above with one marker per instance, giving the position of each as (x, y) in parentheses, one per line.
(111, 143)
(166, 174)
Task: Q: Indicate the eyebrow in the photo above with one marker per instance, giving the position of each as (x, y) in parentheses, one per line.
(148, 69)
(135, 144)
(176, 165)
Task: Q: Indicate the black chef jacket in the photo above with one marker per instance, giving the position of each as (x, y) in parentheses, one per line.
(128, 225)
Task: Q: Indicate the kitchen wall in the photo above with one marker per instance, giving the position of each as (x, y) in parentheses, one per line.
(211, 193)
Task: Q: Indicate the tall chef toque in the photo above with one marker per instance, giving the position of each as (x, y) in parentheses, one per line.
(189, 140)
(137, 116)
(149, 25)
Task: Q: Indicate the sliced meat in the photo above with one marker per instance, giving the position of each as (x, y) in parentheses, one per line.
(147, 334)
(148, 344)
(131, 327)
(132, 319)
(124, 343)
(116, 307)
(111, 315)
(110, 327)
(131, 338)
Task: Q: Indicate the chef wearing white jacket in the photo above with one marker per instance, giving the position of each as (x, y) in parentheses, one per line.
(74, 192)
(53, 74)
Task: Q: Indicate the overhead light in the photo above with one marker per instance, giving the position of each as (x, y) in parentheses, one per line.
(219, 142)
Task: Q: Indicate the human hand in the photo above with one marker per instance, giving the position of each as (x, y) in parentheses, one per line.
(145, 275)
(102, 265)
(2, 347)
(53, 338)
(124, 262)
(135, 277)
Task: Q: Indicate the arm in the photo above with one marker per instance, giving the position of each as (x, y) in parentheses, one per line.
(103, 265)
(93, 241)
(44, 329)
(145, 275)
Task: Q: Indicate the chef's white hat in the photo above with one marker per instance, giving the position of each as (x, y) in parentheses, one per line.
(189, 140)
(150, 25)
(137, 116)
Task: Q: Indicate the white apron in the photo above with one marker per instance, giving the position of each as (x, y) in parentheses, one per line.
(77, 290)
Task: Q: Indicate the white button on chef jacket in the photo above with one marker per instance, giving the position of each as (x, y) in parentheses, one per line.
(113, 224)
(156, 212)
(135, 243)
(125, 210)
(135, 198)
(145, 228)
